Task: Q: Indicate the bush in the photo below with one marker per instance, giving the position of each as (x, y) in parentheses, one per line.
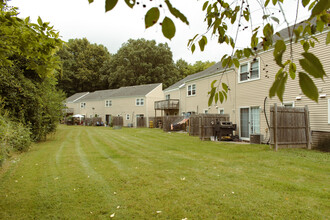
(13, 137)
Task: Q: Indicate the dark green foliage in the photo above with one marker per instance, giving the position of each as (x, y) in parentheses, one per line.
(34, 102)
(140, 62)
(27, 82)
(185, 69)
(13, 136)
(82, 63)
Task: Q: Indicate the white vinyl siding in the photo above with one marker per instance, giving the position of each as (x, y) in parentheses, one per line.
(249, 71)
(191, 90)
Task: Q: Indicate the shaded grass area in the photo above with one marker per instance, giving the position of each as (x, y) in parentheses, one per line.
(93, 172)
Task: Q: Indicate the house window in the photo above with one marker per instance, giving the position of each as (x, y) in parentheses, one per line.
(140, 102)
(128, 117)
(191, 90)
(206, 111)
(168, 96)
(249, 71)
(108, 103)
(83, 105)
(288, 104)
(221, 111)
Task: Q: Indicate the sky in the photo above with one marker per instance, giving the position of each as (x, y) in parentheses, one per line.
(79, 19)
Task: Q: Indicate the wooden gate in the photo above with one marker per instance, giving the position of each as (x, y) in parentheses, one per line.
(140, 122)
(289, 127)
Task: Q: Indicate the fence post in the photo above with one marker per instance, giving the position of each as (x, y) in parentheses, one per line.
(275, 127)
(308, 132)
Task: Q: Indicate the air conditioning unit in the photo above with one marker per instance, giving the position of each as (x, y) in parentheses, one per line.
(256, 138)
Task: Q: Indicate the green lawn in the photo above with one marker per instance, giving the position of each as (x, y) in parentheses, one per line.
(93, 172)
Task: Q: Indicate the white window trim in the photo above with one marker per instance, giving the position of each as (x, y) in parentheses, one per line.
(107, 104)
(139, 102)
(249, 67)
(240, 131)
(191, 85)
(128, 117)
(328, 111)
(291, 102)
(168, 96)
(219, 110)
(206, 111)
(83, 103)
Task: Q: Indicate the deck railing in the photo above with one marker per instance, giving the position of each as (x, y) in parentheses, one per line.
(167, 104)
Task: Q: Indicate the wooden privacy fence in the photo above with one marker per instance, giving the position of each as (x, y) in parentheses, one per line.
(203, 124)
(156, 122)
(171, 120)
(289, 127)
(141, 122)
(117, 121)
(93, 121)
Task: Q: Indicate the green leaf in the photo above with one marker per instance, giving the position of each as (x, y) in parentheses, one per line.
(266, 3)
(274, 2)
(246, 52)
(168, 28)
(308, 87)
(278, 52)
(225, 87)
(221, 97)
(151, 17)
(176, 12)
(110, 4)
(306, 46)
(328, 38)
(130, 3)
(236, 62)
(312, 65)
(202, 42)
(205, 5)
(39, 21)
(225, 95)
(212, 93)
(292, 70)
(305, 2)
(322, 5)
(265, 17)
(212, 84)
(278, 86)
(275, 19)
(90, 1)
(193, 47)
(216, 97)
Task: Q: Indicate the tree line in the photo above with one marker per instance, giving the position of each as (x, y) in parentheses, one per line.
(90, 67)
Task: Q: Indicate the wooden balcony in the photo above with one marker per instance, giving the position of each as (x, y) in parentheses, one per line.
(170, 104)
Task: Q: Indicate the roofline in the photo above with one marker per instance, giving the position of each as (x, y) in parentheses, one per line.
(160, 84)
(80, 97)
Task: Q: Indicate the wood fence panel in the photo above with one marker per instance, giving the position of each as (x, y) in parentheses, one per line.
(117, 121)
(289, 127)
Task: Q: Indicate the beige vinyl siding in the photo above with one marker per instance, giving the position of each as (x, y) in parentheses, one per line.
(253, 93)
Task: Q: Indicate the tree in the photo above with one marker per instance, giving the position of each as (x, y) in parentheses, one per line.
(223, 13)
(27, 73)
(141, 62)
(81, 66)
(185, 69)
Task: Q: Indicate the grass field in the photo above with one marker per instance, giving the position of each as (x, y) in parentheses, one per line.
(96, 172)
